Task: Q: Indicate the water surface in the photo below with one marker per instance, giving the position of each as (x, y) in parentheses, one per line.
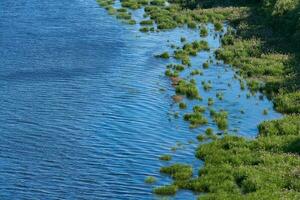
(83, 114)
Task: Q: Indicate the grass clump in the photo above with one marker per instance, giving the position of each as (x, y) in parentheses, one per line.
(146, 23)
(221, 119)
(205, 65)
(220, 95)
(178, 171)
(218, 26)
(187, 88)
(150, 180)
(289, 125)
(176, 67)
(210, 101)
(206, 86)
(196, 72)
(199, 109)
(144, 29)
(164, 55)
(182, 105)
(288, 103)
(171, 73)
(203, 32)
(182, 39)
(165, 158)
(166, 190)
(196, 118)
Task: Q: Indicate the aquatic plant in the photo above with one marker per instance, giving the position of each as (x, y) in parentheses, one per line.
(177, 67)
(182, 105)
(288, 103)
(150, 180)
(165, 190)
(203, 32)
(187, 88)
(221, 119)
(205, 65)
(196, 72)
(218, 26)
(210, 101)
(171, 73)
(196, 119)
(144, 29)
(164, 55)
(206, 86)
(178, 171)
(220, 95)
(146, 23)
(200, 109)
(165, 158)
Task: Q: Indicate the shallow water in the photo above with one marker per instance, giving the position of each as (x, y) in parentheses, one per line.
(82, 112)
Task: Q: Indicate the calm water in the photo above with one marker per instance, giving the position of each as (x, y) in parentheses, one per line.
(82, 112)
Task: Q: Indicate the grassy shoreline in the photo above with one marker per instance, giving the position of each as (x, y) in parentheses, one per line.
(263, 47)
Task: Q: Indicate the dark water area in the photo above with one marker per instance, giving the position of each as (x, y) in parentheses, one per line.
(83, 114)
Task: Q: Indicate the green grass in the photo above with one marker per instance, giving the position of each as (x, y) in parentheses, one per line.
(178, 171)
(210, 101)
(203, 32)
(288, 103)
(164, 55)
(144, 29)
(165, 158)
(196, 72)
(146, 23)
(165, 190)
(182, 105)
(205, 65)
(196, 119)
(150, 180)
(220, 118)
(187, 88)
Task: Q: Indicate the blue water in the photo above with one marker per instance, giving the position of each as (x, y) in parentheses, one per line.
(85, 108)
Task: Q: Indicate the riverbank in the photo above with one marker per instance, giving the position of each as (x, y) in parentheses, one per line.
(236, 167)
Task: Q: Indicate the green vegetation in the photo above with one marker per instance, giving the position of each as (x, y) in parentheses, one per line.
(200, 109)
(146, 23)
(196, 72)
(166, 190)
(206, 86)
(144, 29)
(196, 118)
(264, 48)
(221, 119)
(218, 26)
(150, 180)
(165, 158)
(178, 171)
(210, 101)
(164, 55)
(182, 105)
(220, 96)
(203, 32)
(205, 65)
(187, 88)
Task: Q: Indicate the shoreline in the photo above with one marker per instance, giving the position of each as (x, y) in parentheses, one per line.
(248, 168)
